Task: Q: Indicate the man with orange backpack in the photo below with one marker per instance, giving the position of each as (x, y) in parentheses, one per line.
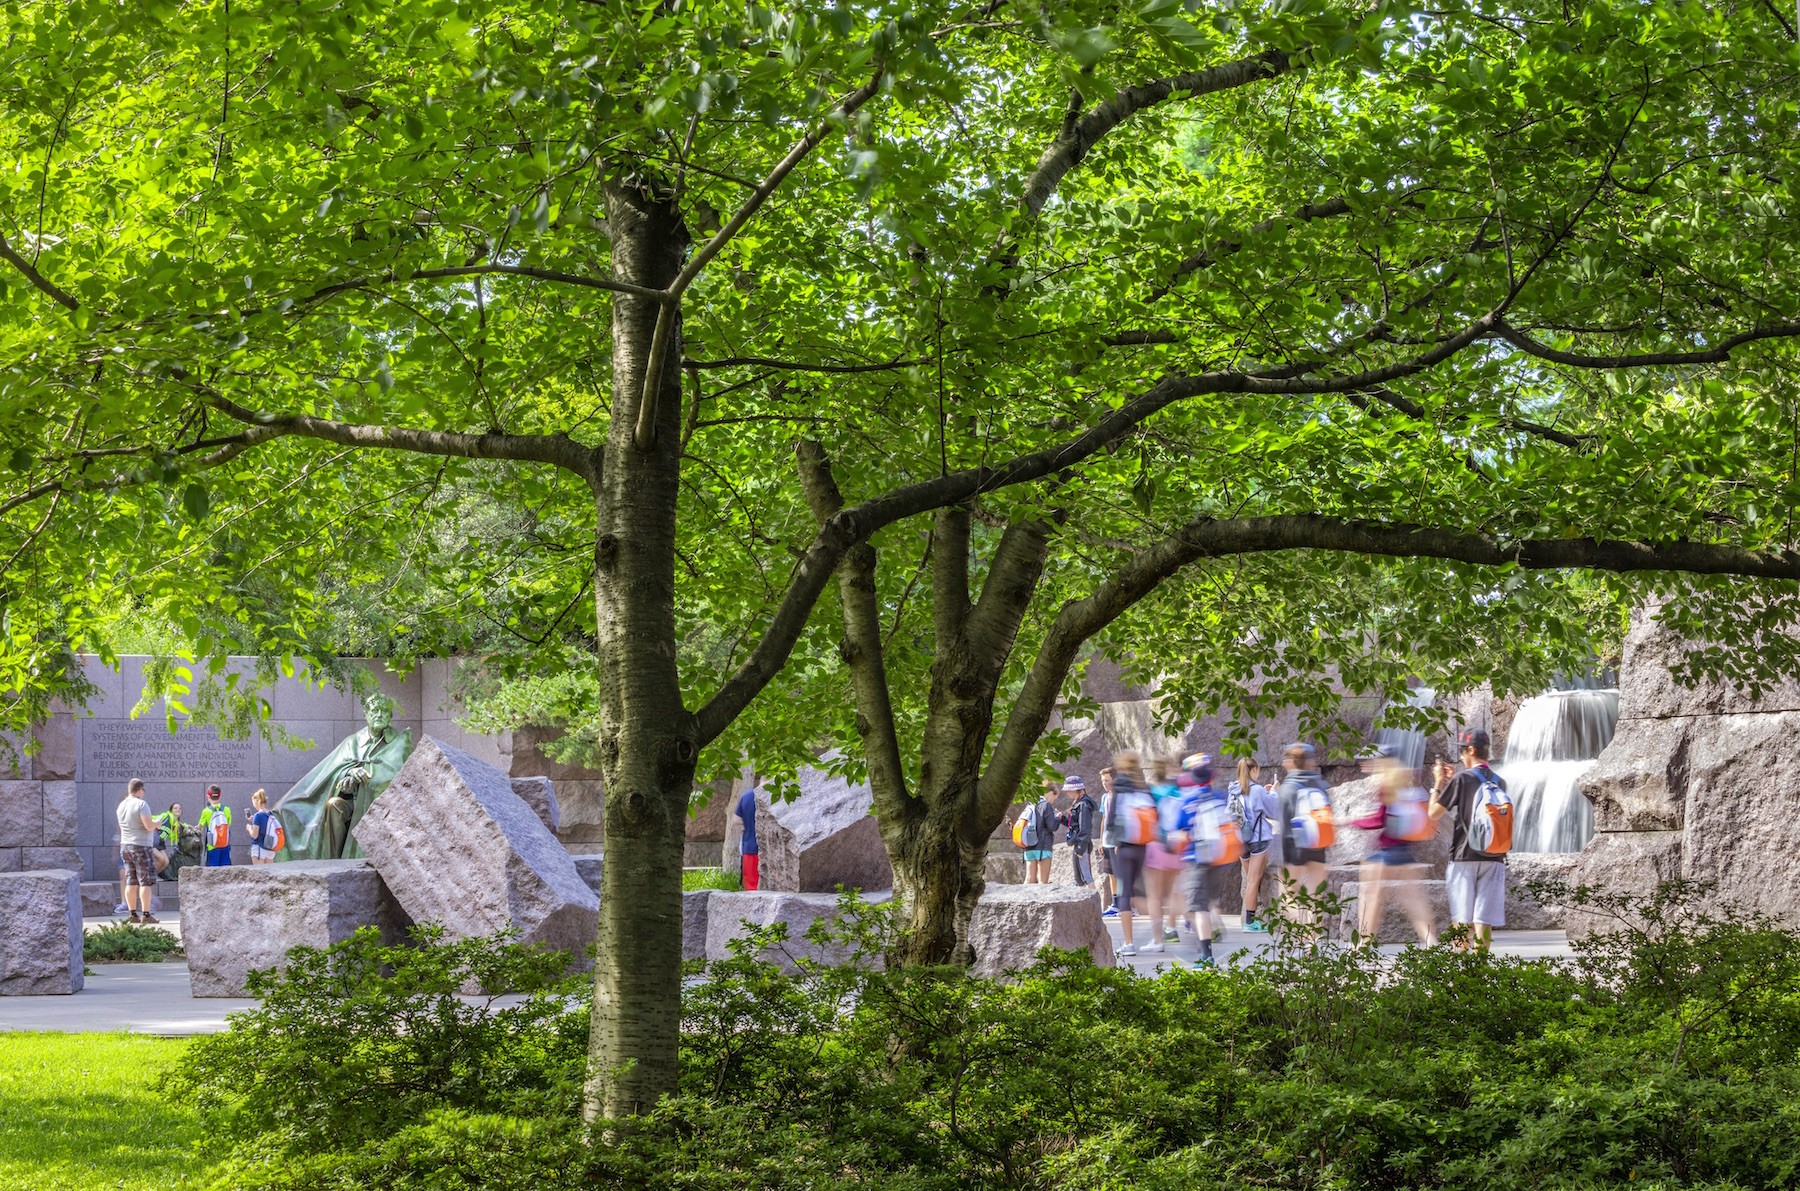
(215, 829)
(1481, 822)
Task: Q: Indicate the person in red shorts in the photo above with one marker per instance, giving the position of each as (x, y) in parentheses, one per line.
(746, 813)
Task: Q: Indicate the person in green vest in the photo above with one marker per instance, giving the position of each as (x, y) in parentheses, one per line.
(215, 828)
(325, 805)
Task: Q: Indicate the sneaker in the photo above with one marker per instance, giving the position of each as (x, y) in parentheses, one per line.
(1126, 951)
(1206, 961)
(1151, 947)
(148, 919)
(1109, 912)
(1218, 935)
(122, 908)
(1255, 926)
(1171, 935)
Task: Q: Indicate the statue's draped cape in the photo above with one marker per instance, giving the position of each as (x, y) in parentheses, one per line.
(302, 809)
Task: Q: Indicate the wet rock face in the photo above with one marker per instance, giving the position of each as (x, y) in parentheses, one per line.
(1700, 782)
(242, 918)
(40, 933)
(459, 847)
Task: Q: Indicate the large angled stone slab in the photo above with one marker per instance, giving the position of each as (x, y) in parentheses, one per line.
(1648, 688)
(242, 918)
(460, 848)
(40, 933)
(1012, 923)
(1395, 923)
(695, 914)
(539, 794)
(591, 866)
(824, 838)
(731, 916)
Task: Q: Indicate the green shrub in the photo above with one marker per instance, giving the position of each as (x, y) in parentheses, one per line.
(358, 1040)
(1636, 1064)
(129, 943)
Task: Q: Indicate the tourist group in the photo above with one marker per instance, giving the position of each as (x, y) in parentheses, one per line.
(1179, 845)
(153, 846)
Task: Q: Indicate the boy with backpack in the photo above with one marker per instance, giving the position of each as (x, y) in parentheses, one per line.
(1307, 828)
(268, 835)
(215, 829)
(1214, 847)
(1481, 823)
(1034, 831)
(1079, 820)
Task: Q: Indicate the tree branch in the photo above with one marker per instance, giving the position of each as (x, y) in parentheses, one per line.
(1206, 260)
(1712, 355)
(862, 648)
(1207, 537)
(61, 296)
(1079, 136)
(665, 316)
(950, 572)
(555, 449)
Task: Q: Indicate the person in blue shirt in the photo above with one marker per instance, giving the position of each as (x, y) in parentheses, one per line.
(746, 813)
(1201, 804)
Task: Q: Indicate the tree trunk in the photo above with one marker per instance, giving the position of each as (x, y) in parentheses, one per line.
(648, 739)
(938, 876)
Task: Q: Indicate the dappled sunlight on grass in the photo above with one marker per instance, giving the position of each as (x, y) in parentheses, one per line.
(83, 1111)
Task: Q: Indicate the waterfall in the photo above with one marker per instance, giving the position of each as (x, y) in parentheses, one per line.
(1409, 743)
(1554, 739)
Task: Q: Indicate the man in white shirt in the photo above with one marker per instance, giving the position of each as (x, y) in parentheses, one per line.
(137, 834)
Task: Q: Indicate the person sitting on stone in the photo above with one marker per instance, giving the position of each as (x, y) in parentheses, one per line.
(323, 808)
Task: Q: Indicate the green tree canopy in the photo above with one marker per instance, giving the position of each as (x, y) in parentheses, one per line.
(527, 309)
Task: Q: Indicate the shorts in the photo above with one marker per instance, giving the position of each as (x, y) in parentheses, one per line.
(1205, 884)
(1106, 861)
(140, 866)
(1158, 857)
(1257, 848)
(1477, 890)
(1395, 855)
(1037, 853)
(258, 852)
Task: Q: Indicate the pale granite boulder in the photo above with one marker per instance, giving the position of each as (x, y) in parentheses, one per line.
(461, 849)
(825, 838)
(241, 918)
(1012, 923)
(40, 933)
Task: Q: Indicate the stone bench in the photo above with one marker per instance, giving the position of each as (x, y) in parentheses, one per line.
(245, 917)
(40, 933)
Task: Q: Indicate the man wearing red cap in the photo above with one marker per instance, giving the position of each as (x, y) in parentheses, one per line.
(1476, 875)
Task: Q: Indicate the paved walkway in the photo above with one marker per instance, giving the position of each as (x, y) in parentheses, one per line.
(1528, 944)
(134, 998)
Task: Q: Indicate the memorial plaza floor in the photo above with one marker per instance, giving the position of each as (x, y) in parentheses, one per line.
(155, 998)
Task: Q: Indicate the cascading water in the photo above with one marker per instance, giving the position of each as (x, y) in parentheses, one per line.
(1554, 739)
(1408, 744)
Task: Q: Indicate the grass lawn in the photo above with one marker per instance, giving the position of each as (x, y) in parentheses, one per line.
(82, 1111)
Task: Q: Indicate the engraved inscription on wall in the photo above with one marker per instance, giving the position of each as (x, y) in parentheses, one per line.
(117, 750)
